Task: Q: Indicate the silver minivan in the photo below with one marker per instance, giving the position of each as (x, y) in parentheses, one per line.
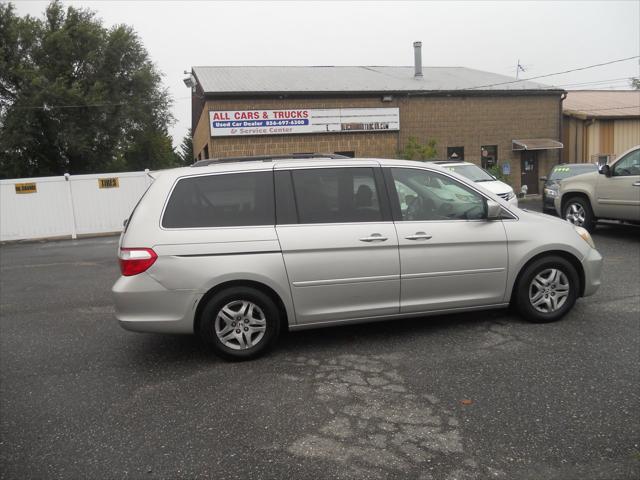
(236, 250)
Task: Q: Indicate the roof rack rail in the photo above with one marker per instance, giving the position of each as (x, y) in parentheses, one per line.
(266, 158)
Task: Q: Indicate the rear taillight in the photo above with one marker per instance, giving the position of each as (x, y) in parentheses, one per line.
(136, 260)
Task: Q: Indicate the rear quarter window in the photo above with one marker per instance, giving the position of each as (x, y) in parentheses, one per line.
(222, 200)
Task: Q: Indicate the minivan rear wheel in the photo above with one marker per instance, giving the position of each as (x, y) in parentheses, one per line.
(240, 323)
(547, 289)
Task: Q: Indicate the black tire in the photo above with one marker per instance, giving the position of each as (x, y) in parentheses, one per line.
(525, 290)
(583, 205)
(235, 296)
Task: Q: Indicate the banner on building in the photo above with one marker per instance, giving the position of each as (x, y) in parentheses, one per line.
(231, 123)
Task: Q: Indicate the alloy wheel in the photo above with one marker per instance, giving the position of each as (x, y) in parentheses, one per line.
(575, 214)
(240, 325)
(549, 290)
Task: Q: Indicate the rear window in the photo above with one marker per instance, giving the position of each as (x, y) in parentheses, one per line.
(565, 171)
(224, 200)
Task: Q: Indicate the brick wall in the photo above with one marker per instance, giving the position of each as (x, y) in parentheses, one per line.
(470, 122)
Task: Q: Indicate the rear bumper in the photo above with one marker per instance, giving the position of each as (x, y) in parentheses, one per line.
(143, 305)
(592, 265)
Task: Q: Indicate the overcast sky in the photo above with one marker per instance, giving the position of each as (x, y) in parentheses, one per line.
(547, 37)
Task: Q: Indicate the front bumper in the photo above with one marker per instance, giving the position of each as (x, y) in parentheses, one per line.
(592, 264)
(143, 305)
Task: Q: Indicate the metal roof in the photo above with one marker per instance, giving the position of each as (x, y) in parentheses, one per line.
(602, 103)
(329, 79)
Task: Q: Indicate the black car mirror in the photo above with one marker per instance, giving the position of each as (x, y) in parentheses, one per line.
(605, 170)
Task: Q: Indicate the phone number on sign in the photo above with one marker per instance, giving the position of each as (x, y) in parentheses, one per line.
(285, 123)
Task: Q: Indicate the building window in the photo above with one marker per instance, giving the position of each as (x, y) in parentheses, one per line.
(350, 154)
(489, 156)
(455, 153)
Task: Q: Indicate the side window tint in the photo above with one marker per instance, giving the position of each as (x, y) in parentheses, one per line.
(425, 195)
(627, 166)
(336, 195)
(224, 200)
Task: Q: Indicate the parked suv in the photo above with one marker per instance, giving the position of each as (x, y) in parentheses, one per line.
(234, 251)
(561, 172)
(479, 175)
(612, 193)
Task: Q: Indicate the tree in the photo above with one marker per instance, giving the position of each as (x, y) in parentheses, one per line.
(635, 83)
(78, 97)
(414, 150)
(185, 152)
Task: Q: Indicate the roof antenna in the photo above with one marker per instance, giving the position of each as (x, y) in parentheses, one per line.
(519, 68)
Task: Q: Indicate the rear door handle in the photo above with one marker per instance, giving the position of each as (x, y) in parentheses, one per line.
(637, 184)
(418, 236)
(374, 237)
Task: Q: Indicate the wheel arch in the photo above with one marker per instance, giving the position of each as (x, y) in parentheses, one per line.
(573, 194)
(267, 290)
(575, 262)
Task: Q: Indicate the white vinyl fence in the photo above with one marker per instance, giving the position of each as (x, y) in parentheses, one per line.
(69, 205)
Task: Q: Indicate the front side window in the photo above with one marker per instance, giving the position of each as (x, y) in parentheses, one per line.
(224, 200)
(628, 165)
(425, 195)
(336, 195)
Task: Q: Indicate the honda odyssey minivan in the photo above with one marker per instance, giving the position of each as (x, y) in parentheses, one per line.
(238, 249)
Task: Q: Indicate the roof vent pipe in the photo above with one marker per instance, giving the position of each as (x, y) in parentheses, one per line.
(417, 54)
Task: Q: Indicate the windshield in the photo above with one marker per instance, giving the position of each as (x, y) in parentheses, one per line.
(565, 171)
(472, 172)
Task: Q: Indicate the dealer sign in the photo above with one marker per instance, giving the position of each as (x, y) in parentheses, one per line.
(231, 123)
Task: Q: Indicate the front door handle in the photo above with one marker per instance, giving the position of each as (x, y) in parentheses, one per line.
(637, 184)
(374, 237)
(418, 236)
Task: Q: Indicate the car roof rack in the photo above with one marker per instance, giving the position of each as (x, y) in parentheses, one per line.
(443, 162)
(267, 158)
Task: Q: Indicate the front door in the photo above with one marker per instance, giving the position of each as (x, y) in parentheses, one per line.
(342, 254)
(450, 255)
(529, 170)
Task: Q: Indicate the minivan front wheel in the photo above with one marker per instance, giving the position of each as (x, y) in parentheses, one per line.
(547, 289)
(240, 323)
(577, 210)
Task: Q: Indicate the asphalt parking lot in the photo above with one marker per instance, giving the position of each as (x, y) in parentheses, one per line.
(473, 396)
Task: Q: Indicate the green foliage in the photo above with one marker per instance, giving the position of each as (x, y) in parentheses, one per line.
(414, 150)
(185, 153)
(635, 83)
(496, 171)
(78, 97)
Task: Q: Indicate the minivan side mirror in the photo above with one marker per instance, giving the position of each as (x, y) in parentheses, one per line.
(494, 210)
(543, 179)
(605, 170)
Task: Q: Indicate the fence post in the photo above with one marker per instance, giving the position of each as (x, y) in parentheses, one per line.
(67, 178)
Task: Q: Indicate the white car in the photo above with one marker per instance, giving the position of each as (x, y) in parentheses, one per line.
(478, 175)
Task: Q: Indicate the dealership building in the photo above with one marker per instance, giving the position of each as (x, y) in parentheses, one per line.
(472, 115)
